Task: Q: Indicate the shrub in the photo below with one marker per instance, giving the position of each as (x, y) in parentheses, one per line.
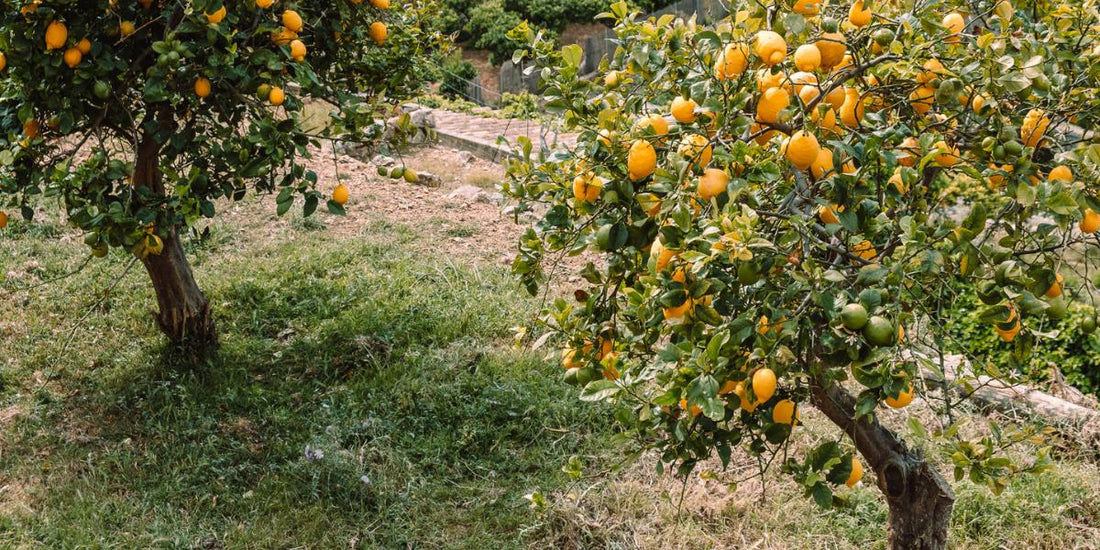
(523, 105)
(490, 23)
(1075, 352)
(457, 74)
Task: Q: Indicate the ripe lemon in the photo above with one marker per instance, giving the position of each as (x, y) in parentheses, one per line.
(569, 359)
(3, 61)
(72, 57)
(283, 36)
(763, 384)
(276, 96)
(909, 152)
(712, 183)
(1033, 127)
(31, 129)
(832, 46)
(56, 35)
(858, 16)
(902, 400)
(1060, 173)
(807, 57)
(202, 87)
(217, 17)
(922, 99)
(852, 111)
(865, 250)
(381, 4)
(806, 7)
(657, 122)
(785, 412)
(771, 103)
(770, 47)
(801, 149)
(823, 164)
(948, 155)
(341, 194)
(1009, 334)
(264, 4)
(1091, 222)
(857, 473)
(732, 62)
(1055, 289)
(297, 50)
(740, 391)
(800, 81)
(955, 23)
(696, 148)
(587, 188)
(379, 32)
(292, 21)
(642, 160)
(677, 312)
(827, 214)
(683, 110)
(828, 121)
(85, 46)
(661, 255)
(896, 181)
(3, 220)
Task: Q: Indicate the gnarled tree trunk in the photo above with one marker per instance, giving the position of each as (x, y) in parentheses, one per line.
(920, 500)
(184, 310)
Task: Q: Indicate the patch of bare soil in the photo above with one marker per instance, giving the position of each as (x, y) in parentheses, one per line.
(14, 498)
(575, 33)
(489, 73)
(471, 230)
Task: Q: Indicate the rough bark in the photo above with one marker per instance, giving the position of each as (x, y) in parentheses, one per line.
(920, 500)
(184, 315)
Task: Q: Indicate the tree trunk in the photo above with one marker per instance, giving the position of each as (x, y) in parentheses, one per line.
(919, 499)
(184, 315)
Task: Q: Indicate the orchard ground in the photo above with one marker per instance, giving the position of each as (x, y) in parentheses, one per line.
(384, 342)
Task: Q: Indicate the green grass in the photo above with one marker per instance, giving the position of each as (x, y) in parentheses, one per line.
(398, 366)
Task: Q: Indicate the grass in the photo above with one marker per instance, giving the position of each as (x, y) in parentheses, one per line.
(398, 367)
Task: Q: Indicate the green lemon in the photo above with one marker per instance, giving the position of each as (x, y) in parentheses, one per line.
(854, 316)
(879, 331)
(746, 274)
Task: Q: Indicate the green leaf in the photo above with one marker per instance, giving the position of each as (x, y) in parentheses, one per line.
(599, 390)
(572, 55)
(823, 495)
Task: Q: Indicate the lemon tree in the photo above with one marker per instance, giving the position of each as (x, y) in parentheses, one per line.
(138, 116)
(777, 211)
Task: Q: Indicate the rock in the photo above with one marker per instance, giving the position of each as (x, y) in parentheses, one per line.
(491, 198)
(383, 160)
(422, 119)
(428, 179)
(467, 158)
(466, 193)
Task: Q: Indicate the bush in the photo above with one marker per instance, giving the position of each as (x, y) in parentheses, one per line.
(457, 74)
(490, 23)
(523, 105)
(1074, 352)
(455, 15)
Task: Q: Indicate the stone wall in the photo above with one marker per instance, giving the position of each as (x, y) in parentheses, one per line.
(601, 45)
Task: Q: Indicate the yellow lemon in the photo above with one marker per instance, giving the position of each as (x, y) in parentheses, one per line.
(642, 160)
(801, 149)
(770, 47)
(807, 57)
